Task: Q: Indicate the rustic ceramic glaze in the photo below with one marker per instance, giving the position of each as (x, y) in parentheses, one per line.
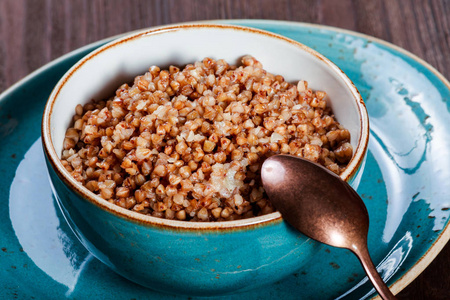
(404, 184)
(191, 258)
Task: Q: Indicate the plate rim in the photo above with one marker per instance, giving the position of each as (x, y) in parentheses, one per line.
(444, 236)
(439, 243)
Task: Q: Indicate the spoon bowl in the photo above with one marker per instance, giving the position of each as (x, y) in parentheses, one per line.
(322, 206)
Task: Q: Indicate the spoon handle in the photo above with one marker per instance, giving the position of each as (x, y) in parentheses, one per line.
(372, 273)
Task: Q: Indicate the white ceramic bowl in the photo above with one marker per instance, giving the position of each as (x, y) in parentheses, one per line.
(100, 73)
(108, 230)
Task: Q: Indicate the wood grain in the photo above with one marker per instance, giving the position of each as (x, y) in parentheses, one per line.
(33, 33)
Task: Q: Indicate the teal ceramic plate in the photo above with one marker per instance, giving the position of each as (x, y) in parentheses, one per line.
(405, 183)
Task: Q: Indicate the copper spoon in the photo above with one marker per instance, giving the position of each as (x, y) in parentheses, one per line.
(322, 206)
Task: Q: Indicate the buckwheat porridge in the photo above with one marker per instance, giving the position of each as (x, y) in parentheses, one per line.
(188, 144)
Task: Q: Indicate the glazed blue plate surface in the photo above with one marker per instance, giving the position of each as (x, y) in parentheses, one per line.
(405, 184)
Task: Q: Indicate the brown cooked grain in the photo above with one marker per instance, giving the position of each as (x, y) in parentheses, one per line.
(188, 144)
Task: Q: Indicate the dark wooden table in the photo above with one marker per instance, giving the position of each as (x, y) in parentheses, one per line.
(33, 33)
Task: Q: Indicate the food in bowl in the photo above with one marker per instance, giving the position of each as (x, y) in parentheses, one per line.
(191, 258)
(187, 144)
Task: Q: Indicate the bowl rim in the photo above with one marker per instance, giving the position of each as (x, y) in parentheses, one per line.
(248, 223)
